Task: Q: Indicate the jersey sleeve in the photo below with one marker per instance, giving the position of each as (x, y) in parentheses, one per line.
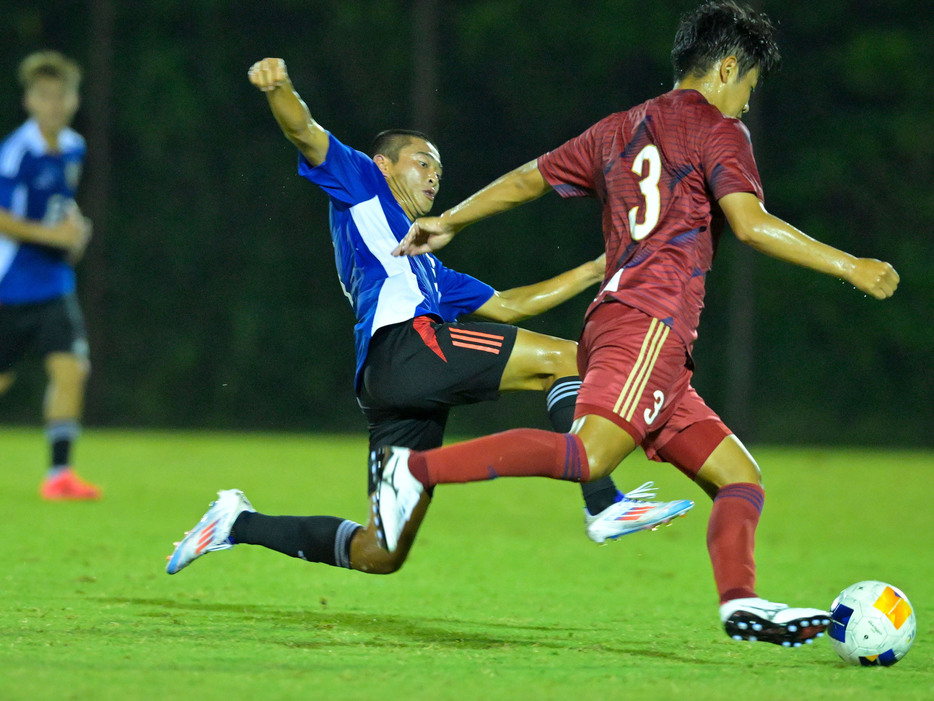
(571, 169)
(11, 167)
(346, 175)
(7, 187)
(728, 161)
(460, 293)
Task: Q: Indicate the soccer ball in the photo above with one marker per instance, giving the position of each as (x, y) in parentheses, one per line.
(871, 623)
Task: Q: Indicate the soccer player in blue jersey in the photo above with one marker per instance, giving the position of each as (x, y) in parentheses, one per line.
(414, 359)
(42, 236)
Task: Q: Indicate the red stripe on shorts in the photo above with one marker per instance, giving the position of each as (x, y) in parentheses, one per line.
(422, 325)
(476, 340)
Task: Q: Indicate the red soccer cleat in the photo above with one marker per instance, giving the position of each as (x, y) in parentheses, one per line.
(67, 486)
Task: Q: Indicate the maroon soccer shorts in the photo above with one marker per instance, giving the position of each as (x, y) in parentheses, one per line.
(637, 374)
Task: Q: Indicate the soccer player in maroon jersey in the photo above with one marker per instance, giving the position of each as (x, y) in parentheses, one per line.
(668, 173)
(416, 359)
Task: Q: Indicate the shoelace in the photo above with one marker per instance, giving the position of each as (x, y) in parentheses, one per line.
(641, 493)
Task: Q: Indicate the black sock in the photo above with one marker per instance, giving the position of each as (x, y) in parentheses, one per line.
(560, 401)
(61, 453)
(61, 435)
(599, 494)
(324, 539)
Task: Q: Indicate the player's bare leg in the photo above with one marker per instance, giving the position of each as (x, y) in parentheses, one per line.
(731, 477)
(537, 360)
(64, 399)
(368, 555)
(6, 381)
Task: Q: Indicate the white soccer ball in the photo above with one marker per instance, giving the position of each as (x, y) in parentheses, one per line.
(871, 623)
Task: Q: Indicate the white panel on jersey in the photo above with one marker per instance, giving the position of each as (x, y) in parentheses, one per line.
(399, 296)
(9, 247)
(8, 250)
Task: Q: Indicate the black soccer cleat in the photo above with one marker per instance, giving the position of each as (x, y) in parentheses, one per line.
(758, 620)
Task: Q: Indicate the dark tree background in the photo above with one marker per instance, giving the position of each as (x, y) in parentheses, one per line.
(210, 288)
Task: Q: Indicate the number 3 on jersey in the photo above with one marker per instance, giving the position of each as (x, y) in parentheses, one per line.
(650, 194)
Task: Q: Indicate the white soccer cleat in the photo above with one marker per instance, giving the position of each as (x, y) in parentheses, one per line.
(634, 513)
(758, 620)
(397, 493)
(212, 532)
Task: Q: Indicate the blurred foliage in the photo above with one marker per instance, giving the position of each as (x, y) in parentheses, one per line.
(217, 303)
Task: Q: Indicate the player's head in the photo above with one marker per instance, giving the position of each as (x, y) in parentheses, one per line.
(390, 142)
(412, 166)
(50, 89)
(719, 29)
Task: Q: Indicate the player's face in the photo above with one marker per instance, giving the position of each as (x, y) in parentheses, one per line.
(52, 103)
(415, 177)
(737, 92)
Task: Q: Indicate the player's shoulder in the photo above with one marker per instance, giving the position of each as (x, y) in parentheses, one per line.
(341, 155)
(701, 122)
(22, 143)
(70, 140)
(688, 103)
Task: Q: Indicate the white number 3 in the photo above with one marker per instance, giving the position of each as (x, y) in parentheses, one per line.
(651, 414)
(649, 186)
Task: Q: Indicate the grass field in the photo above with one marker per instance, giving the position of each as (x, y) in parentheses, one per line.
(502, 598)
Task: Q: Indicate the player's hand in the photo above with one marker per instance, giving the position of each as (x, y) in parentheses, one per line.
(84, 230)
(73, 233)
(426, 235)
(268, 74)
(874, 277)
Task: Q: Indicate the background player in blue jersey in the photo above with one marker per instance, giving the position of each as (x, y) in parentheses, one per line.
(414, 359)
(42, 236)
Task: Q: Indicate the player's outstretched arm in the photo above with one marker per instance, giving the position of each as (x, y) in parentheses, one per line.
(519, 303)
(291, 112)
(753, 225)
(519, 186)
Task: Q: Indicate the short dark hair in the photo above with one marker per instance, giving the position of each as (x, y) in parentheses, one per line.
(391, 141)
(718, 29)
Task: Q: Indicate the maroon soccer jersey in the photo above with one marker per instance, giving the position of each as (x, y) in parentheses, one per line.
(659, 169)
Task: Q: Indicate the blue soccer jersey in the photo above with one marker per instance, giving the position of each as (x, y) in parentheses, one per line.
(366, 225)
(40, 185)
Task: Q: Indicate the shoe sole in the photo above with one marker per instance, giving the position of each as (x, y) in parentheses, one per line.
(646, 527)
(745, 625)
(70, 497)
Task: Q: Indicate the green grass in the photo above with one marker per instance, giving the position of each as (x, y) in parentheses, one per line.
(502, 598)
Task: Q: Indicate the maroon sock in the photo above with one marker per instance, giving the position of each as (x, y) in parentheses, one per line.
(731, 538)
(522, 452)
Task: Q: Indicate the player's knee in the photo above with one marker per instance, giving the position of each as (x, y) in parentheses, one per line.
(70, 372)
(379, 561)
(744, 472)
(366, 554)
(561, 360)
(729, 463)
(6, 381)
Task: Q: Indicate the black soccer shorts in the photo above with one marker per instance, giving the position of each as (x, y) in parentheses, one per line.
(417, 370)
(56, 326)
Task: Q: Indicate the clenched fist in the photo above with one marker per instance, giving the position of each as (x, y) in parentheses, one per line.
(268, 74)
